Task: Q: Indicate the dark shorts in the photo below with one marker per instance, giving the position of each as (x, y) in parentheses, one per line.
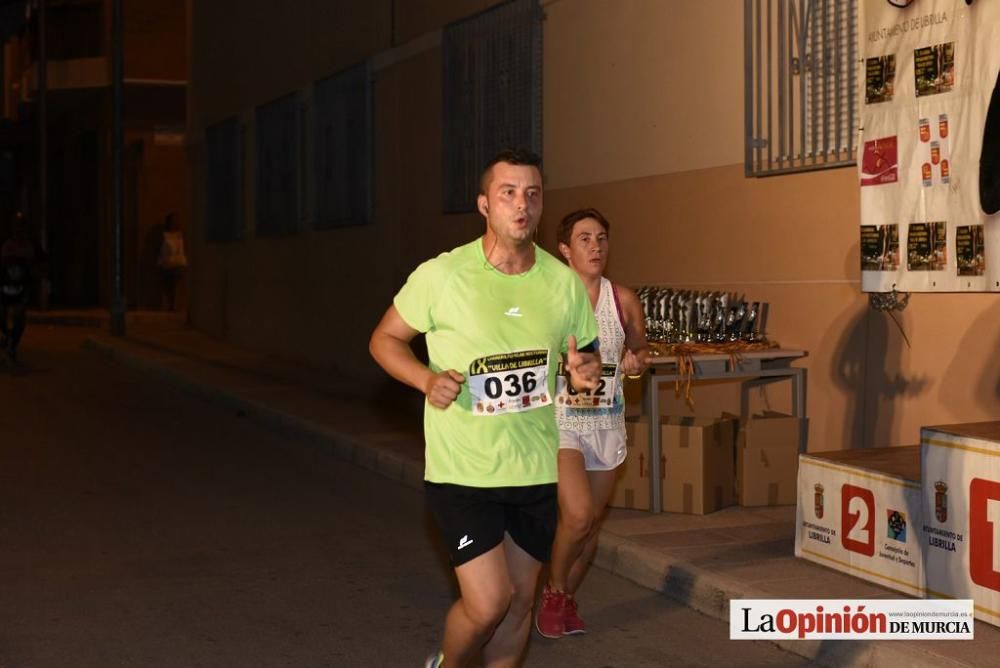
(473, 520)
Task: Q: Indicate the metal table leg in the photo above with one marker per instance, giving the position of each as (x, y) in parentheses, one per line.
(653, 411)
(756, 373)
(799, 406)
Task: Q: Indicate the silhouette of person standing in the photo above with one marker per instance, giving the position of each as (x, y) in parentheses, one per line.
(171, 261)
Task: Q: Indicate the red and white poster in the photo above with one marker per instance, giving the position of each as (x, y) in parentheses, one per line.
(879, 164)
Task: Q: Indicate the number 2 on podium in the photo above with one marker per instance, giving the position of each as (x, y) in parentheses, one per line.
(857, 519)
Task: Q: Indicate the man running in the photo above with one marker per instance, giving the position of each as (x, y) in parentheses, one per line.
(591, 424)
(497, 313)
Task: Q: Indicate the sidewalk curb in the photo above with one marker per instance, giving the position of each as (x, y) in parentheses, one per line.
(686, 583)
(386, 463)
(43, 318)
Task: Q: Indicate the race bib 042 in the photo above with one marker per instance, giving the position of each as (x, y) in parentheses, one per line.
(509, 382)
(601, 397)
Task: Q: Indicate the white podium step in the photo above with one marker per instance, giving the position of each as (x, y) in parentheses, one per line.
(961, 514)
(859, 511)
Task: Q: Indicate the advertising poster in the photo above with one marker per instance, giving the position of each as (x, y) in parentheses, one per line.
(929, 71)
(879, 248)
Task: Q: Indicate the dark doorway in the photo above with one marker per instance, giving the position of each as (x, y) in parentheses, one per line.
(132, 173)
(74, 223)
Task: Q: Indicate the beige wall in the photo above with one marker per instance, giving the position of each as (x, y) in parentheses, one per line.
(154, 39)
(248, 52)
(792, 241)
(641, 87)
(643, 119)
(316, 296)
(644, 113)
(413, 19)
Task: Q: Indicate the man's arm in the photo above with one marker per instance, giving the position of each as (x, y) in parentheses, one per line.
(390, 346)
(635, 359)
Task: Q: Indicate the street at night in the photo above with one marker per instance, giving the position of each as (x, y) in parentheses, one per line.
(330, 332)
(145, 526)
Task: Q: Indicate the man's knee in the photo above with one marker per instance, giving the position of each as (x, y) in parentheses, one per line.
(522, 600)
(486, 611)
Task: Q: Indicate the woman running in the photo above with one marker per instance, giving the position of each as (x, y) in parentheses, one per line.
(591, 424)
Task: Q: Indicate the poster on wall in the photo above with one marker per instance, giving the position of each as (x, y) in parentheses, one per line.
(929, 71)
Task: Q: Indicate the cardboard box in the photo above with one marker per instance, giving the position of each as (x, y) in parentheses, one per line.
(632, 477)
(767, 459)
(699, 466)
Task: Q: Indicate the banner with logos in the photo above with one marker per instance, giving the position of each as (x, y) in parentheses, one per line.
(961, 515)
(860, 521)
(928, 73)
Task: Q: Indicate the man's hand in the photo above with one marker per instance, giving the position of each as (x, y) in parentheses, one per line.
(634, 364)
(443, 388)
(584, 368)
(390, 346)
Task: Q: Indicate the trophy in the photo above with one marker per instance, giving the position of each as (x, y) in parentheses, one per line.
(707, 317)
(760, 323)
(746, 329)
(739, 316)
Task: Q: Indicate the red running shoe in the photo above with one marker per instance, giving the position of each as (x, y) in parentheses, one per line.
(549, 620)
(572, 624)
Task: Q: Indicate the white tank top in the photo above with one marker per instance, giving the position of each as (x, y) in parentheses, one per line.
(612, 341)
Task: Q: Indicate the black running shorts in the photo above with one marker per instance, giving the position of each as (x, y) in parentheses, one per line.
(473, 520)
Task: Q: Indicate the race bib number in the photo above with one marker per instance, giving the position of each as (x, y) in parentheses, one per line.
(601, 397)
(509, 382)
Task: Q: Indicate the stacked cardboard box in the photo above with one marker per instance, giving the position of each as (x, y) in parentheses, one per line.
(767, 458)
(699, 464)
(632, 477)
(696, 465)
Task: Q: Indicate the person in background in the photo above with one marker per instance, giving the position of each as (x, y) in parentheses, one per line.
(171, 261)
(19, 261)
(591, 424)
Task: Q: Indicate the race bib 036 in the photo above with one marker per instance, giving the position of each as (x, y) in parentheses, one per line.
(509, 382)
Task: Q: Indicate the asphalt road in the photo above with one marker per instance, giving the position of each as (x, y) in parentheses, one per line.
(143, 526)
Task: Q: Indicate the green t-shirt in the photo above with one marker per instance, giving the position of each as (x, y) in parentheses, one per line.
(504, 333)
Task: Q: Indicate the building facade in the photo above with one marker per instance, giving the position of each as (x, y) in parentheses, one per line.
(642, 117)
(74, 98)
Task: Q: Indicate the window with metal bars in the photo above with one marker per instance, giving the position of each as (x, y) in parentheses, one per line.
(344, 145)
(800, 76)
(492, 94)
(224, 144)
(279, 186)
